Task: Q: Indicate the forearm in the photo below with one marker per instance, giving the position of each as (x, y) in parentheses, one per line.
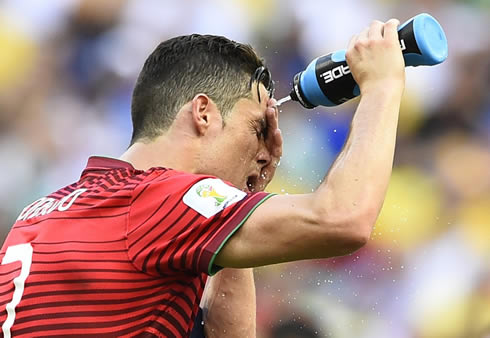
(229, 304)
(357, 181)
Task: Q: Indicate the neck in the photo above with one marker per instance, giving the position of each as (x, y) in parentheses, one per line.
(163, 152)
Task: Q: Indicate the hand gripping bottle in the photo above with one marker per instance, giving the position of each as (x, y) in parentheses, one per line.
(327, 80)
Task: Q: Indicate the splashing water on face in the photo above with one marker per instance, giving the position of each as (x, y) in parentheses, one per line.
(283, 100)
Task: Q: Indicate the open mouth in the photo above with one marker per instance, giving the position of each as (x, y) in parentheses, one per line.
(251, 183)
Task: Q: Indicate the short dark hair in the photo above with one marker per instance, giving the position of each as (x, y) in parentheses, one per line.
(180, 68)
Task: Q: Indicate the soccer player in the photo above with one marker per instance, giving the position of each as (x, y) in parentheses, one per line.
(126, 250)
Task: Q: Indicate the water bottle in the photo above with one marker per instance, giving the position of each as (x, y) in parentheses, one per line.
(327, 80)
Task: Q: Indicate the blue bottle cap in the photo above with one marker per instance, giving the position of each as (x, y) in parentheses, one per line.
(430, 39)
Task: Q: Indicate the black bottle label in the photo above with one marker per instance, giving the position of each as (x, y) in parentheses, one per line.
(335, 79)
(408, 43)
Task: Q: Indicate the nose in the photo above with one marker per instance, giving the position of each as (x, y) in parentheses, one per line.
(264, 157)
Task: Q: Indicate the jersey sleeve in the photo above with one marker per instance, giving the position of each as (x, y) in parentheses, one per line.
(179, 224)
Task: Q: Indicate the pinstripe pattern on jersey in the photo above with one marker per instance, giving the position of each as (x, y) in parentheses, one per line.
(128, 258)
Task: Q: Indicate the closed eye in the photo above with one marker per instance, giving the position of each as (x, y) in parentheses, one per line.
(259, 127)
(262, 128)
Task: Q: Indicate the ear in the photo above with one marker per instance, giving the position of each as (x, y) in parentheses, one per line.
(204, 113)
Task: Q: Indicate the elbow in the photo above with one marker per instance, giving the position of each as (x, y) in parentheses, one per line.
(350, 230)
(356, 240)
(351, 241)
(363, 224)
(358, 227)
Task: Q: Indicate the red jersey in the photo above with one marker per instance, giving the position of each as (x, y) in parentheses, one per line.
(121, 252)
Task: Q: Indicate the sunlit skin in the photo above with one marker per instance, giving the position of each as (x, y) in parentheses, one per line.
(246, 147)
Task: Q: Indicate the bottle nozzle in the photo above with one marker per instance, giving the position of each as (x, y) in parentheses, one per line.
(297, 93)
(283, 100)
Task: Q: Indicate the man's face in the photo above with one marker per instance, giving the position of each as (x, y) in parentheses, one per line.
(239, 151)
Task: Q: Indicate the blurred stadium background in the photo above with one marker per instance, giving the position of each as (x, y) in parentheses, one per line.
(67, 69)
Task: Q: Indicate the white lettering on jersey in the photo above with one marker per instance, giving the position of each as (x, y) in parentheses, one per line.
(211, 195)
(46, 205)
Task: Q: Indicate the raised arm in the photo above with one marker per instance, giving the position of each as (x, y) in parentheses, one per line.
(338, 217)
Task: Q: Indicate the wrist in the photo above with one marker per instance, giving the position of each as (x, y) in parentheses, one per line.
(383, 87)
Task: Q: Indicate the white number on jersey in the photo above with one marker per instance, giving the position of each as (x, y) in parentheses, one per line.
(22, 253)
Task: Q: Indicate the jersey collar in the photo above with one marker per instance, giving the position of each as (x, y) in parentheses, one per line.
(100, 162)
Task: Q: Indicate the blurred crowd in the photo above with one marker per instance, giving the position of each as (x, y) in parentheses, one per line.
(67, 69)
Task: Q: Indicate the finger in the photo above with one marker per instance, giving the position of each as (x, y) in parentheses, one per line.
(272, 120)
(272, 103)
(352, 41)
(277, 138)
(363, 36)
(390, 29)
(376, 30)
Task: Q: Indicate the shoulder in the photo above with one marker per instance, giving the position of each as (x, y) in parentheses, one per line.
(205, 194)
(163, 181)
(169, 179)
